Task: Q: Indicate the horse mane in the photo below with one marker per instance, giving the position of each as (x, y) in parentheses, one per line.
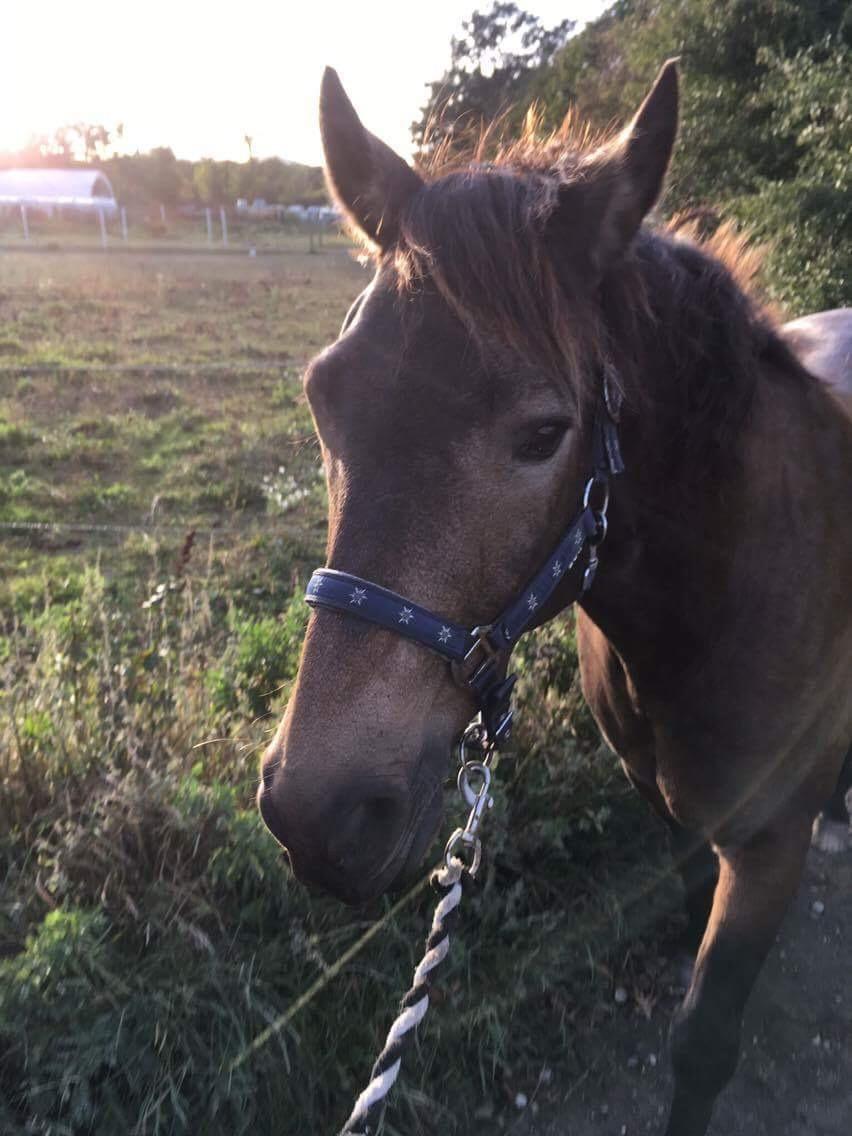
(707, 337)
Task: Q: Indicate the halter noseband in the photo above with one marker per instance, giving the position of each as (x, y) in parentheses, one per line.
(477, 654)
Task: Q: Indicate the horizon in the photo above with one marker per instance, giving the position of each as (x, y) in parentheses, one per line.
(202, 59)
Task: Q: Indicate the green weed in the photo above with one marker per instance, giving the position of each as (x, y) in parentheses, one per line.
(149, 929)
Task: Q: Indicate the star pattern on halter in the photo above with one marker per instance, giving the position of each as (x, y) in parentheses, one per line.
(444, 635)
(532, 601)
(406, 615)
(358, 596)
(556, 570)
(316, 584)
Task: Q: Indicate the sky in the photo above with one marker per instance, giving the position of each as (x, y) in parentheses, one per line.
(198, 76)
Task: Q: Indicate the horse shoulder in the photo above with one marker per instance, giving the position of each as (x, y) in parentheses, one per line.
(612, 699)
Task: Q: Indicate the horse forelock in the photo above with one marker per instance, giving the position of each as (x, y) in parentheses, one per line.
(479, 235)
(674, 301)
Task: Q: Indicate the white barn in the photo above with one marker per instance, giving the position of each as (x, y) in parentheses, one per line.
(87, 190)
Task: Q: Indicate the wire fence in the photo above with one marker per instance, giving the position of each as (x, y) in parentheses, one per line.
(270, 526)
(148, 528)
(208, 229)
(153, 369)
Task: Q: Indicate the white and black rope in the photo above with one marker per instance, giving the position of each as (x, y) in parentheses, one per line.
(447, 882)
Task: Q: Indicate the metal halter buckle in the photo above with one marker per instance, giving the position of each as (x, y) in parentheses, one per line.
(474, 668)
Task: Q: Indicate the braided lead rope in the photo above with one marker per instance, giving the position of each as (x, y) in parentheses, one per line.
(446, 880)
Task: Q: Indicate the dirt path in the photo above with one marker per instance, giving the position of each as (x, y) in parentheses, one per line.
(795, 1074)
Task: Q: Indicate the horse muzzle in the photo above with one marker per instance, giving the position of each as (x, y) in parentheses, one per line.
(355, 842)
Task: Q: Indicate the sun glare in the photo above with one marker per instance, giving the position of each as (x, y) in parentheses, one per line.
(199, 79)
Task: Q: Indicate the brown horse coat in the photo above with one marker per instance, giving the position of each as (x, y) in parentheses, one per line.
(454, 419)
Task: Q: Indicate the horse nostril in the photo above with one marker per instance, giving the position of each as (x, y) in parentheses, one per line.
(366, 834)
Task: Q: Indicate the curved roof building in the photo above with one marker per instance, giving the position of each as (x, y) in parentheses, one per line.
(54, 188)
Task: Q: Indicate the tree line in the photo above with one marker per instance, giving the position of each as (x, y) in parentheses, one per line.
(766, 127)
(158, 177)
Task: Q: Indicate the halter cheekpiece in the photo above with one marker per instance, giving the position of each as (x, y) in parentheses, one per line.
(478, 655)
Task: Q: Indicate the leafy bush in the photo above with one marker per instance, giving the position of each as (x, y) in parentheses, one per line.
(150, 931)
(807, 228)
(262, 654)
(765, 124)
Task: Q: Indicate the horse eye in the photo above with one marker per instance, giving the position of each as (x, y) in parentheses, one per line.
(543, 442)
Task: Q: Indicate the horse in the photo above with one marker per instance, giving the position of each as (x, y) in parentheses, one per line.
(459, 416)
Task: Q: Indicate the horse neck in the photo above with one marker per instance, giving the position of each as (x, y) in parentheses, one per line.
(683, 547)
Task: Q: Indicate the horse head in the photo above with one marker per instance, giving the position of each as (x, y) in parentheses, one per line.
(455, 414)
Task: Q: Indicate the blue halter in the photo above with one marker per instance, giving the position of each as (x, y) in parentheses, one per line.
(478, 655)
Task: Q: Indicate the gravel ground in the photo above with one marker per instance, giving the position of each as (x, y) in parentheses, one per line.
(795, 1074)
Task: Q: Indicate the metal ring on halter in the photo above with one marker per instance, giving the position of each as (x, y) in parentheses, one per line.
(587, 493)
(473, 744)
(600, 535)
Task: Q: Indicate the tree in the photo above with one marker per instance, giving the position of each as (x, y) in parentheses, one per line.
(492, 61)
(79, 141)
(765, 119)
(94, 140)
(209, 181)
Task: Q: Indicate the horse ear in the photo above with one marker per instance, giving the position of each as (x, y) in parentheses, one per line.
(645, 149)
(369, 181)
(600, 213)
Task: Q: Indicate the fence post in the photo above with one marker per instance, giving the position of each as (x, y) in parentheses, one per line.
(102, 220)
(124, 224)
(208, 215)
(25, 222)
(223, 217)
(162, 213)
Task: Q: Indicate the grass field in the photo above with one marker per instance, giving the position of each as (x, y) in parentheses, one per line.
(161, 391)
(161, 505)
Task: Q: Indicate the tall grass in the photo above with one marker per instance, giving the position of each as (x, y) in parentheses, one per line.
(149, 930)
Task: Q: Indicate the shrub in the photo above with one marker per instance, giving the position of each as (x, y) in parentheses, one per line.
(807, 226)
(263, 653)
(152, 932)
